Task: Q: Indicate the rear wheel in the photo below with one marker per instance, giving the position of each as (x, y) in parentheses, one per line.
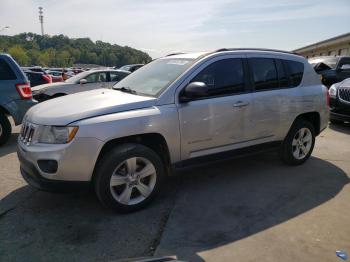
(128, 177)
(5, 129)
(299, 143)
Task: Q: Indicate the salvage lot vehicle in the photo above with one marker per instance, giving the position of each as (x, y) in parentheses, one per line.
(15, 95)
(173, 112)
(340, 102)
(37, 78)
(333, 69)
(84, 81)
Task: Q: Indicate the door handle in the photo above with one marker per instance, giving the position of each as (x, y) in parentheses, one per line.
(240, 104)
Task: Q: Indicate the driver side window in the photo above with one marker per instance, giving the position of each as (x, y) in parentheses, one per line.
(223, 77)
(97, 77)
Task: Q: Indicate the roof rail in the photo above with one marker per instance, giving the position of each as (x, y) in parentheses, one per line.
(179, 53)
(254, 49)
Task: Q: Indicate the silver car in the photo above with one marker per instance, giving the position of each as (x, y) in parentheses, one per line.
(85, 81)
(176, 111)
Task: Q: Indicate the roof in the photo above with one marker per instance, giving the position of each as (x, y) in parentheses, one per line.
(347, 35)
(201, 54)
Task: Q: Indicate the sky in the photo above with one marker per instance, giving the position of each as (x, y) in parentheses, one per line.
(160, 27)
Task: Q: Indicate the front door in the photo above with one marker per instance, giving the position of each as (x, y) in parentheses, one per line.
(218, 121)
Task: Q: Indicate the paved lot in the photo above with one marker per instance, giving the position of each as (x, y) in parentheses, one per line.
(250, 209)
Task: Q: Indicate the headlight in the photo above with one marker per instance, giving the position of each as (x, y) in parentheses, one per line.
(55, 134)
(332, 91)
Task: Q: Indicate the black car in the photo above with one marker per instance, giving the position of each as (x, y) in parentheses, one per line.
(339, 94)
(37, 78)
(333, 69)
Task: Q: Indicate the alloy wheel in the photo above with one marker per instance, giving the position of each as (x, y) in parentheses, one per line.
(302, 143)
(133, 180)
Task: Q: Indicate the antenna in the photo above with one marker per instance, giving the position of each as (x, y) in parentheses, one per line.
(41, 19)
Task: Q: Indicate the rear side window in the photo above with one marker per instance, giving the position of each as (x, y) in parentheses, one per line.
(296, 71)
(6, 72)
(282, 75)
(223, 77)
(264, 73)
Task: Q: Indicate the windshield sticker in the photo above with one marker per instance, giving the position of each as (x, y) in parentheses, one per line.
(177, 62)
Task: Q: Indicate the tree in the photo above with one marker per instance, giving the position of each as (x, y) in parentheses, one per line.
(61, 51)
(19, 54)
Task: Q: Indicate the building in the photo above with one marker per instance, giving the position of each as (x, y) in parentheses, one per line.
(339, 45)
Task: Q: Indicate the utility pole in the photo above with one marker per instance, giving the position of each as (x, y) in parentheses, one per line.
(41, 19)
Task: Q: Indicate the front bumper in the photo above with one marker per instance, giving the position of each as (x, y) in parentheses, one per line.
(339, 117)
(340, 109)
(75, 161)
(32, 176)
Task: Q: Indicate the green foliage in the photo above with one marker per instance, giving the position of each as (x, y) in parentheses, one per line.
(19, 54)
(61, 51)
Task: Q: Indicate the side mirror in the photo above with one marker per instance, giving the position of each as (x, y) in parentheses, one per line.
(82, 81)
(193, 91)
(345, 67)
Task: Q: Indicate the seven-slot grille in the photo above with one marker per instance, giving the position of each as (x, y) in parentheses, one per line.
(344, 94)
(27, 132)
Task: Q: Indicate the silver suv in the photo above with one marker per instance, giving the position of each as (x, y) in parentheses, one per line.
(176, 111)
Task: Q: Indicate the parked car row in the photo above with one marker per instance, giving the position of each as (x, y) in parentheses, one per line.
(85, 81)
(332, 69)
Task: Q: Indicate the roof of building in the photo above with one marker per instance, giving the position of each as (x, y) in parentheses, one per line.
(329, 40)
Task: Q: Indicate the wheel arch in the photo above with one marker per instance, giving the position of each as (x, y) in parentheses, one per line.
(312, 117)
(155, 141)
(58, 95)
(4, 111)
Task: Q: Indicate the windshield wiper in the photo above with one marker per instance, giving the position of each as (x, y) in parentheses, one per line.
(125, 89)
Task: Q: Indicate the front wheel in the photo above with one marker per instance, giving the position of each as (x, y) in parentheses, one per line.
(299, 143)
(128, 177)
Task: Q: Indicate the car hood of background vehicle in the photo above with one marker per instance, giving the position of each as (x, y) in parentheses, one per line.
(42, 88)
(67, 109)
(345, 84)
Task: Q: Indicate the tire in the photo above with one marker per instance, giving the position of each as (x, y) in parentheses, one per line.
(5, 129)
(294, 151)
(127, 163)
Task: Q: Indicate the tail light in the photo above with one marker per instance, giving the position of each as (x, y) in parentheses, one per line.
(24, 90)
(47, 78)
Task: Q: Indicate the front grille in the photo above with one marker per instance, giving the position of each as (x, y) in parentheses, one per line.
(27, 133)
(344, 94)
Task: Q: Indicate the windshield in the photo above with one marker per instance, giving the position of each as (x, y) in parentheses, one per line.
(156, 76)
(330, 61)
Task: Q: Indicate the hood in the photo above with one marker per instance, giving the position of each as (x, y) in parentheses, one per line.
(67, 109)
(345, 84)
(42, 88)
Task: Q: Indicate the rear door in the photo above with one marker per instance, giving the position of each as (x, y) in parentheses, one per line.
(267, 96)
(220, 121)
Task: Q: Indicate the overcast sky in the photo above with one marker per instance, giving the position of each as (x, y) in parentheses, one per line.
(160, 27)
